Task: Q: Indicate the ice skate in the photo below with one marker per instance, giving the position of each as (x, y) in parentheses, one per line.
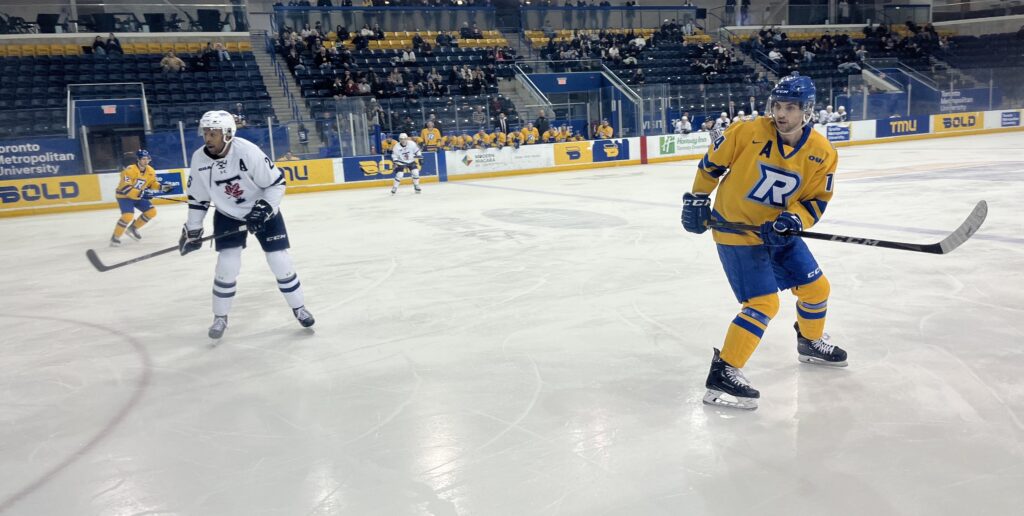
(727, 387)
(394, 190)
(304, 317)
(132, 232)
(418, 190)
(220, 323)
(818, 352)
(115, 242)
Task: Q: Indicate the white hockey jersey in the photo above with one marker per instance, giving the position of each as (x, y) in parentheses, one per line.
(232, 183)
(406, 155)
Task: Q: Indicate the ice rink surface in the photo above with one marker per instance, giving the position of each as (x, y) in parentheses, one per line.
(532, 345)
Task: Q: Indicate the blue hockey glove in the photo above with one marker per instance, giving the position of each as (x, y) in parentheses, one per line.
(696, 212)
(147, 194)
(189, 240)
(258, 216)
(779, 231)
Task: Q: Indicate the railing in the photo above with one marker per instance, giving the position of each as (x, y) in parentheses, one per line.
(535, 92)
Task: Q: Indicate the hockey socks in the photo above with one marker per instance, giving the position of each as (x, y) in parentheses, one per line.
(748, 327)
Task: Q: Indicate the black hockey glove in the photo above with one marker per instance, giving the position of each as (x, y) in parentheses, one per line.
(189, 240)
(258, 216)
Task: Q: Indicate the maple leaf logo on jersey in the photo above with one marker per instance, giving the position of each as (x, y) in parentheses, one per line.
(234, 190)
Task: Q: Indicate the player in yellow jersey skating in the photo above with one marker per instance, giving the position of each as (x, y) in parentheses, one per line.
(137, 186)
(775, 172)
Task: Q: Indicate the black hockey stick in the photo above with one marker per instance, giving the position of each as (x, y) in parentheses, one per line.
(94, 259)
(945, 246)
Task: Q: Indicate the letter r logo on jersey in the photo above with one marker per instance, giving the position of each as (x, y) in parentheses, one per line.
(775, 187)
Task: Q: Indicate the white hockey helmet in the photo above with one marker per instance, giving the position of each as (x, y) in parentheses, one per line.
(218, 120)
(402, 137)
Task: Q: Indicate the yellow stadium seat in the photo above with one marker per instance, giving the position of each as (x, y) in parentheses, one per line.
(195, 47)
(231, 46)
(3, 50)
(71, 49)
(245, 46)
(167, 47)
(56, 50)
(180, 48)
(153, 48)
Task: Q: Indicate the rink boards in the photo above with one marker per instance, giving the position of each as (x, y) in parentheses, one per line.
(53, 189)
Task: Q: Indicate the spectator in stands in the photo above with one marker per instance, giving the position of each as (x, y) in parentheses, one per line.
(239, 115)
(849, 65)
(479, 116)
(222, 54)
(639, 77)
(417, 42)
(844, 11)
(321, 60)
(775, 56)
(172, 63)
(807, 56)
(476, 33)
(99, 47)
(293, 62)
(113, 45)
(465, 32)
(408, 56)
(303, 137)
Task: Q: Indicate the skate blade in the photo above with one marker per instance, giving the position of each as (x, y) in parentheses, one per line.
(721, 399)
(818, 361)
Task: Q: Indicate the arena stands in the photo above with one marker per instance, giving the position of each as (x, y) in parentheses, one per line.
(410, 74)
(34, 81)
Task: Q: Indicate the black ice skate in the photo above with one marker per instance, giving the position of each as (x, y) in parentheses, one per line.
(727, 387)
(115, 242)
(818, 352)
(132, 232)
(418, 190)
(305, 318)
(394, 190)
(220, 323)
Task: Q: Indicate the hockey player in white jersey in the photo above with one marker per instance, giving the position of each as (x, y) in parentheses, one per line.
(405, 155)
(246, 189)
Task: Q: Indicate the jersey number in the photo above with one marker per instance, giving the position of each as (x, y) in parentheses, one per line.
(775, 187)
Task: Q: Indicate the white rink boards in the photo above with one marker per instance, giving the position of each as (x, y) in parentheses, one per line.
(533, 345)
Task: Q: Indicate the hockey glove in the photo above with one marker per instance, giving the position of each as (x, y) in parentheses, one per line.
(189, 240)
(784, 227)
(696, 212)
(166, 188)
(258, 216)
(147, 194)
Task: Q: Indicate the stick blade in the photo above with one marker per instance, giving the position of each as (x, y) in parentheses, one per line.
(94, 259)
(967, 229)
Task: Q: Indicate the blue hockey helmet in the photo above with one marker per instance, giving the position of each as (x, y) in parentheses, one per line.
(142, 153)
(794, 88)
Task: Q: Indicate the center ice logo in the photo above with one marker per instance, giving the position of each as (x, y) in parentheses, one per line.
(775, 187)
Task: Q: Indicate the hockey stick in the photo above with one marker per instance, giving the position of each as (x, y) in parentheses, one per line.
(94, 259)
(945, 246)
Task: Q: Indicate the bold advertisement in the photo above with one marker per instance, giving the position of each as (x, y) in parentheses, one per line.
(1010, 119)
(31, 193)
(610, 150)
(371, 168)
(39, 157)
(838, 132)
(958, 122)
(573, 153)
(307, 172)
(901, 126)
(679, 145)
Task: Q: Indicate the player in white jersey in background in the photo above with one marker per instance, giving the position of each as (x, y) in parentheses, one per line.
(245, 188)
(405, 155)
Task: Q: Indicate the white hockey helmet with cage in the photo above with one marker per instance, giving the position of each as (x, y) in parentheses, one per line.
(218, 120)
